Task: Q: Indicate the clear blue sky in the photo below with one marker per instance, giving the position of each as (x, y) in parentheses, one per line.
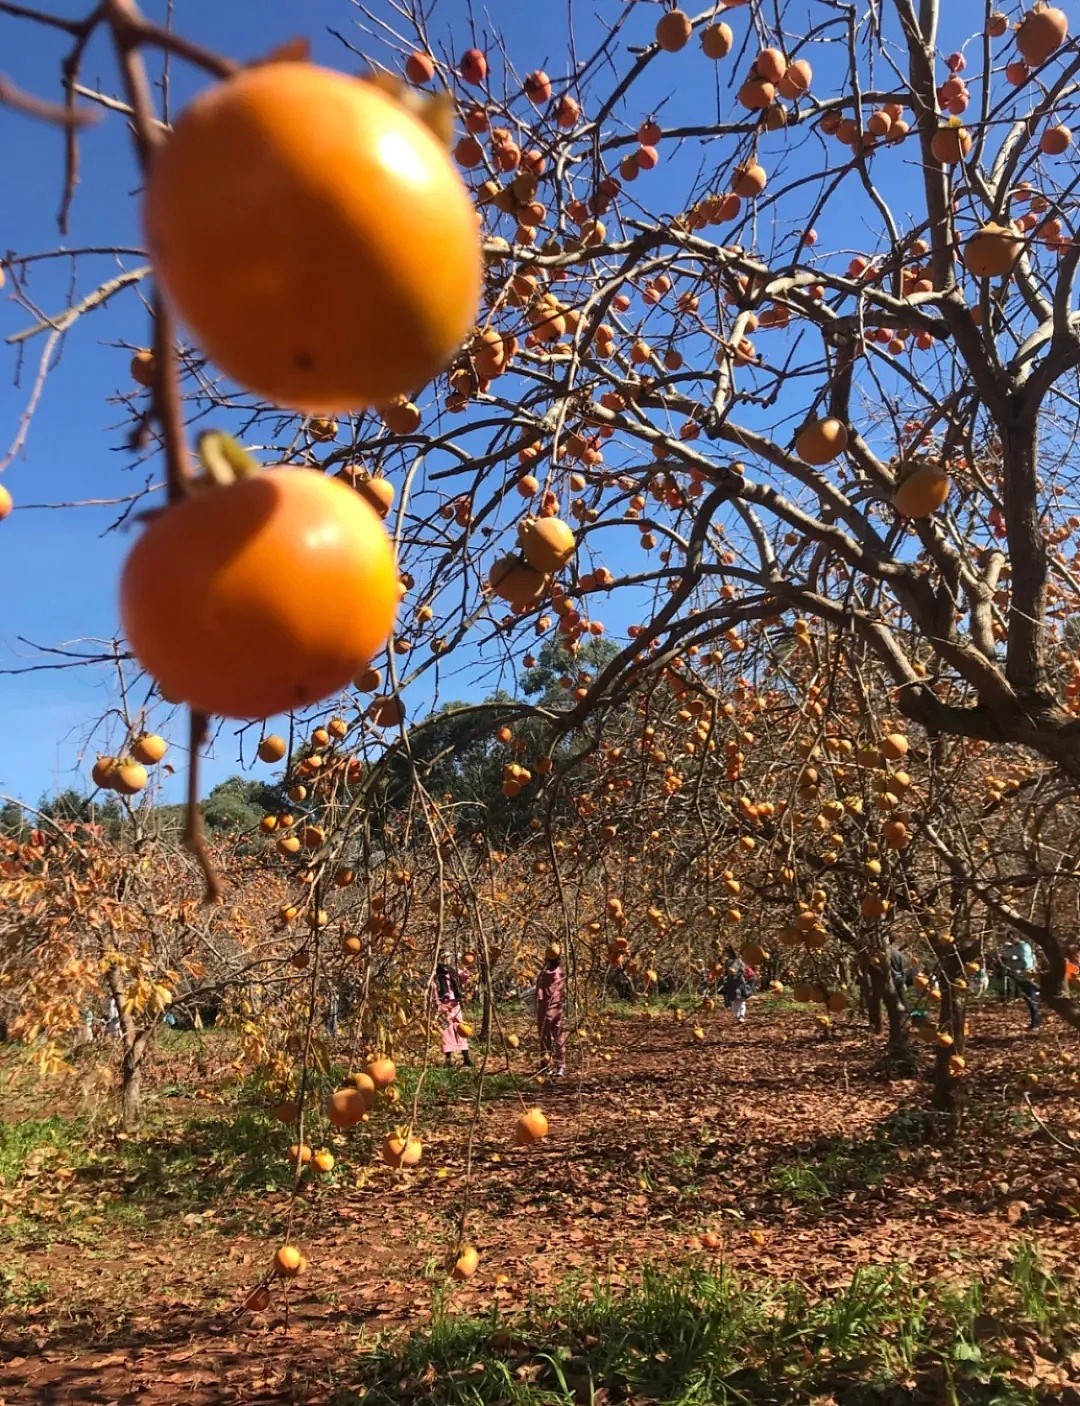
(61, 567)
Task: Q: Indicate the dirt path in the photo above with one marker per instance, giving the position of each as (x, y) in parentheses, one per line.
(792, 1150)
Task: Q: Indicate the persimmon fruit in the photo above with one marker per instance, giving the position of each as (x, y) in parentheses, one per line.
(346, 1107)
(1042, 32)
(401, 1152)
(716, 41)
(419, 68)
(821, 441)
(315, 238)
(149, 748)
(515, 582)
(272, 748)
(129, 777)
(548, 543)
(673, 31)
(466, 1262)
(381, 1071)
(992, 250)
(142, 368)
(6, 503)
(259, 597)
(289, 1262)
(530, 1127)
(921, 491)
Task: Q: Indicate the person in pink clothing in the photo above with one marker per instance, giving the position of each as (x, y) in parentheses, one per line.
(446, 996)
(550, 1001)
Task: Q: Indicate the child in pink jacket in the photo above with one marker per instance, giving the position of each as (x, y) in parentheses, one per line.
(550, 999)
(446, 995)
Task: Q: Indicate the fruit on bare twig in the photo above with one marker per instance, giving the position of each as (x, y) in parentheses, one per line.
(268, 594)
(294, 217)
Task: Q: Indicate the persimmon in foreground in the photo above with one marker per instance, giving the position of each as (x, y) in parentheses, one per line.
(530, 1127)
(315, 237)
(289, 1262)
(466, 1262)
(258, 597)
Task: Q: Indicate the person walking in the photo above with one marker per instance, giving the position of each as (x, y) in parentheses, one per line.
(446, 995)
(1018, 958)
(899, 973)
(736, 989)
(550, 1017)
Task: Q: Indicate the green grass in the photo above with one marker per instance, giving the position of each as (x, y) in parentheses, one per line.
(847, 1164)
(18, 1292)
(28, 1144)
(696, 1336)
(442, 1084)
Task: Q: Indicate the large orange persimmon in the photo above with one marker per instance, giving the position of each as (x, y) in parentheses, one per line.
(259, 597)
(315, 237)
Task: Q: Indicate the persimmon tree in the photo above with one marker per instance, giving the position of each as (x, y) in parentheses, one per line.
(747, 339)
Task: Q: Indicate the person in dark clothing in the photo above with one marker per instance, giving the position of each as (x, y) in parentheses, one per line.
(899, 972)
(1019, 960)
(736, 989)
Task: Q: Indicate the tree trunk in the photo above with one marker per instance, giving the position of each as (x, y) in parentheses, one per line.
(131, 1071)
(870, 985)
(899, 1024)
(135, 1047)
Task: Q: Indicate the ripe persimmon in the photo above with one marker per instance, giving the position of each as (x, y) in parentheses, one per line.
(516, 583)
(262, 596)
(6, 503)
(548, 543)
(381, 1071)
(272, 748)
(1042, 32)
(149, 748)
(346, 1107)
(992, 250)
(129, 777)
(821, 441)
(142, 367)
(530, 1127)
(921, 491)
(419, 68)
(716, 41)
(289, 1262)
(673, 31)
(315, 237)
(103, 773)
(466, 1262)
(398, 1151)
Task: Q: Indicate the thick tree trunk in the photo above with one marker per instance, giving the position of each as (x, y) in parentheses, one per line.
(870, 985)
(131, 1071)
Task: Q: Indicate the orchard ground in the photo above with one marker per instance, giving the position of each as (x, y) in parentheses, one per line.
(764, 1214)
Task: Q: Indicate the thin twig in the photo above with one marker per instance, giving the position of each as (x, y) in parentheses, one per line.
(194, 838)
(41, 108)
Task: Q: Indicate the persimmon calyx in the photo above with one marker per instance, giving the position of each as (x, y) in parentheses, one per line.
(435, 110)
(224, 460)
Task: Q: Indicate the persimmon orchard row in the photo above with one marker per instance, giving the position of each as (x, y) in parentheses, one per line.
(760, 543)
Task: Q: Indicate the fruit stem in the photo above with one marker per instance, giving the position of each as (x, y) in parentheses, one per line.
(224, 460)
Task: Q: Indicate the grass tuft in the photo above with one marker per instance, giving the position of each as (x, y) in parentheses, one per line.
(700, 1335)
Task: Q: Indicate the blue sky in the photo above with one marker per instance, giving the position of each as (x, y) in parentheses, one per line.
(62, 566)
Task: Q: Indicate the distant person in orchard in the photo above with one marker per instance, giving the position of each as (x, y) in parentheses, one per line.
(1018, 959)
(550, 1011)
(446, 996)
(736, 989)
